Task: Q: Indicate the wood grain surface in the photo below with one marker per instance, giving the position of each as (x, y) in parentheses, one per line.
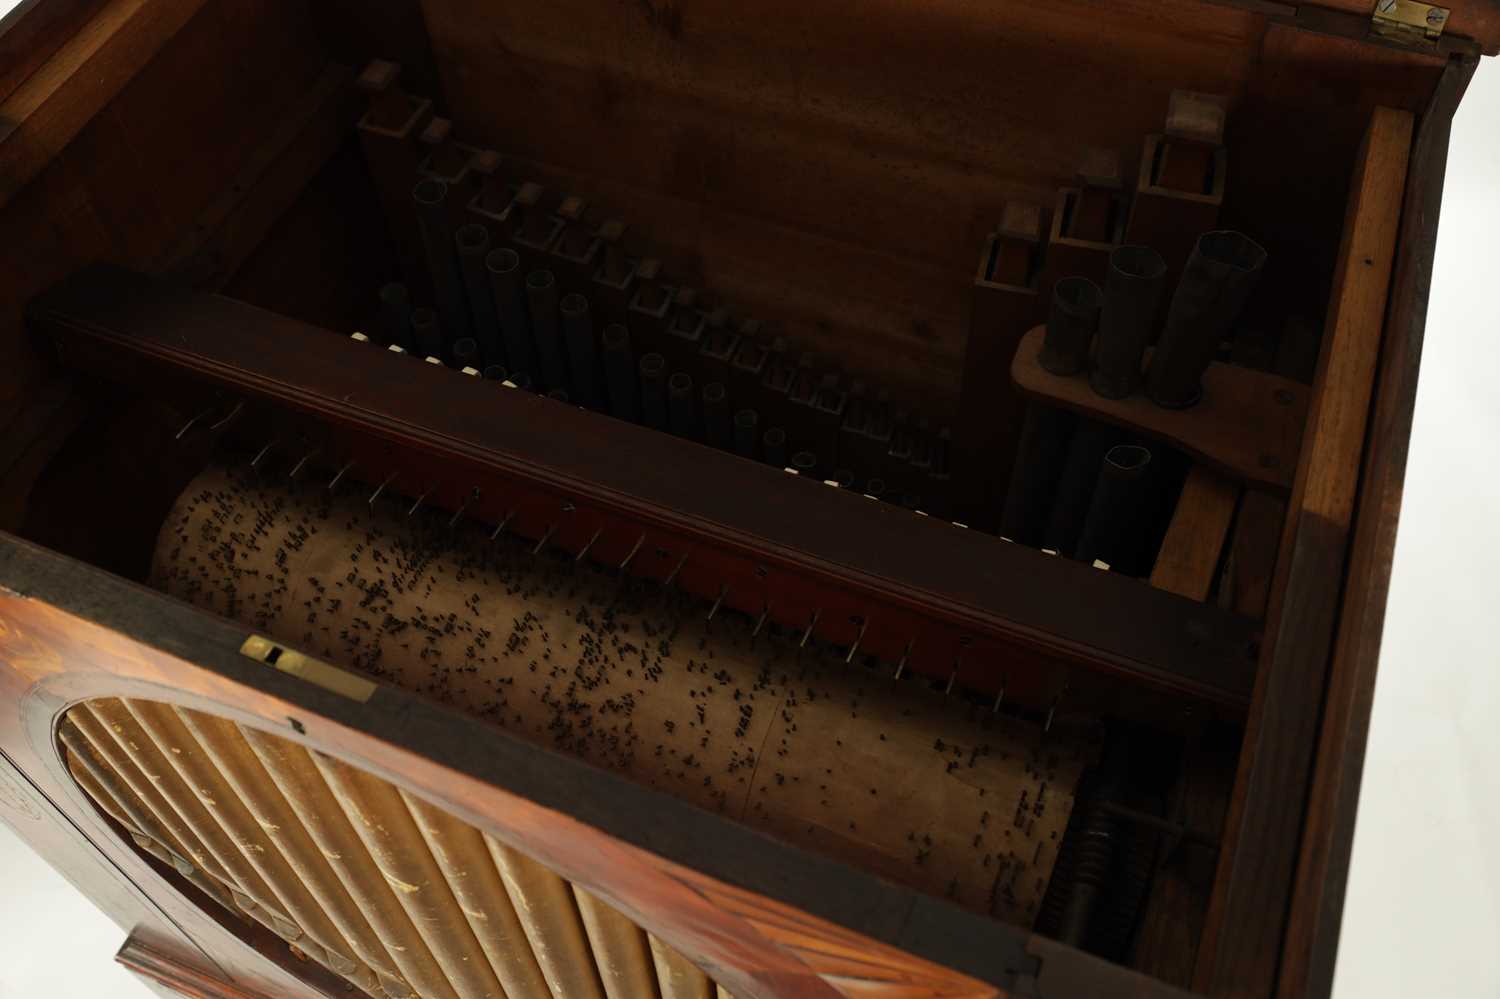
(1188, 561)
(1241, 945)
(1247, 426)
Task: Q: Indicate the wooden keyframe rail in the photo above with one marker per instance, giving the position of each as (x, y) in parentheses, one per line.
(952, 603)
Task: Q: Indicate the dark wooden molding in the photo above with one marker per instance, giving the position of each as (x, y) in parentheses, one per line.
(1310, 944)
(804, 549)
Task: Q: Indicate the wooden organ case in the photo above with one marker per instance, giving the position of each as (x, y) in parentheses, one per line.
(679, 498)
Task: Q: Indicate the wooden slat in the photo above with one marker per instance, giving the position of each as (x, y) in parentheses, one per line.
(46, 111)
(1311, 940)
(1245, 585)
(1189, 555)
(33, 31)
(1239, 953)
(173, 978)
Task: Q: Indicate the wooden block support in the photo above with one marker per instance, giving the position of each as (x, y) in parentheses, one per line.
(1245, 585)
(1004, 304)
(1189, 556)
(1242, 935)
(1248, 425)
(1167, 218)
(392, 152)
(1180, 185)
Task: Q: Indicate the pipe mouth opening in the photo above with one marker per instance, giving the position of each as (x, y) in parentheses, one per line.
(713, 392)
(395, 293)
(746, 418)
(472, 236)
(615, 335)
(1137, 262)
(465, 347)
(775, 437)
(574, 304)
(653, 365)
(680, 381)
(1128, 457)
(1078, 294)
(430, 191)
(875, 487)
(495, 373)
(804, 460)
(502, 261)
(1233, 249)
(423, 317)
(540, 280)
(844, 478)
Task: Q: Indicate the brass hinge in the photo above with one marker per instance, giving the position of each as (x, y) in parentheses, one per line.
(1408, 20)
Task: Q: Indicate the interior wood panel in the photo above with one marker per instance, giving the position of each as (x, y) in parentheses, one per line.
(1239, 953)
(99, 191)
(815, 163)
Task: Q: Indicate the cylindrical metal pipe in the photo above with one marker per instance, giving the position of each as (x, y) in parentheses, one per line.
(541, 306)
(427, 333)
(495, 373)
(877, 489)
(431, 197)
(292, 771)
(1090, 442)
(1071, 323)
(773, 446)
(682, 413)
(1033, 478)
(549, 914)
(716, 429)
(583, 359)
(676, 976)
(472, 242)
(746, 425)
(620, 949)
(465, 861)
(466, 353)
(395, 315)
(653, 372)
(1112, 532)
(381, 820)
(175, 831)
(620, 375)
(1210, 296)
(1132, 294)
(294, 894)
(504, 268)
(804, 463)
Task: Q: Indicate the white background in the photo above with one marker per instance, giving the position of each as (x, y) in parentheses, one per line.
(1422, 917)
